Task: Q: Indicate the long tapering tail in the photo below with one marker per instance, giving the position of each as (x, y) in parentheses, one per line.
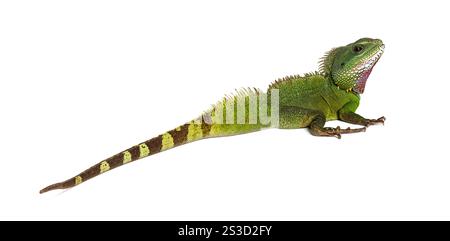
(183, 134)
(210, 124)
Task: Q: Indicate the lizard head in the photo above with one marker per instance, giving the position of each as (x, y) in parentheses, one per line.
(349, 66)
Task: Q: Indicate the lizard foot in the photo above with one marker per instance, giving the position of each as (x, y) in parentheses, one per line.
(371, 122)
(336, 132)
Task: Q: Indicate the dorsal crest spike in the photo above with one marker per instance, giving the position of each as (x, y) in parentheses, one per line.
(238, 93)
(326, 61)
(290, 78)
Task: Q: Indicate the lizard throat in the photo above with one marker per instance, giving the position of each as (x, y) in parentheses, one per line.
(364, 70)
(361, 82)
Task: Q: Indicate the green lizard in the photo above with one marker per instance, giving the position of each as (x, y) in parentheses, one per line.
(332, 93)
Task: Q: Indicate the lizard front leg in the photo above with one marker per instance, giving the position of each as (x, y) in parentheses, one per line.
(348, 115)
(292, 117)
(317, 128)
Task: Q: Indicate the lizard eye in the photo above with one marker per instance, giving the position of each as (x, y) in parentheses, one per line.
(357, 48)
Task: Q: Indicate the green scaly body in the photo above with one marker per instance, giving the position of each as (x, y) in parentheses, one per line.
(309, 101)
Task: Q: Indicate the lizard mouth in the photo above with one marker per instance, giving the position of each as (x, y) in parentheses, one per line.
(365, 68)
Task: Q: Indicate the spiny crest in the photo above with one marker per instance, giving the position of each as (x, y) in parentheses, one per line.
(326, 62)
(243, 92)
(311, 74)
(290, 78)
(239, 93)
(283, 80)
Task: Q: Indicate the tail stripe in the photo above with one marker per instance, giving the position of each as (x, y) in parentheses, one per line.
(180, 134)
(195, 132)
(143, 150)
(154, 145)
(167, 141)
(104, 166)
(78, 180)
(127, 157)
(135, 153)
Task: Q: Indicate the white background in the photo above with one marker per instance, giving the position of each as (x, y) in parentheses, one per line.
(83, 80)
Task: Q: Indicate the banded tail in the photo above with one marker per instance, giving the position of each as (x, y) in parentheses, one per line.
(200, 128)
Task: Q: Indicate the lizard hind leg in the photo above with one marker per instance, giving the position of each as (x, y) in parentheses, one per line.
(317, 128)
